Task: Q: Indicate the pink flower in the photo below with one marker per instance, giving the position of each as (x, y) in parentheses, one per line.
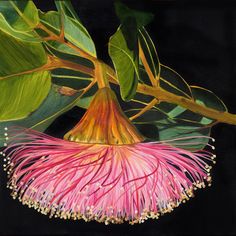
(106, 182)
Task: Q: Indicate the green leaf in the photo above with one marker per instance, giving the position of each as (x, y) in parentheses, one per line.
(74, 31)
(30, 36)
(21, 95)
(124, 54)
(124, 13)
(53, 106)
(17, 56)
(21, 15)
(123, 48)
(149, 51)
(207, 98)
(67, 8)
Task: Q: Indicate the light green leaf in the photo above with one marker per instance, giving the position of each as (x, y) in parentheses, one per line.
(21, 95)
(124, 54)
(75, 32)
(21, 15)
(67, 8)
(30, 36)
(17, 56)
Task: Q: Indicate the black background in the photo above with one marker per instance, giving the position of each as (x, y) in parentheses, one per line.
(197, 39)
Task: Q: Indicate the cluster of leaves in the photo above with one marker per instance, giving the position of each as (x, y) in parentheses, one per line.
(34, 91)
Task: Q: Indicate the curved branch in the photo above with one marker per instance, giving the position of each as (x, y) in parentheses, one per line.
(157, 92)
(165, 96)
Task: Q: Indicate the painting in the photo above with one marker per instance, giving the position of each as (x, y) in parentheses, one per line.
(117, 117)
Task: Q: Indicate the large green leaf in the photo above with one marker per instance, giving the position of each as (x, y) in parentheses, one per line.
(53, 106)
(18, 81)
(74, 31)
(17, 56)
(124, 54)
(21, 15)
(23, 94)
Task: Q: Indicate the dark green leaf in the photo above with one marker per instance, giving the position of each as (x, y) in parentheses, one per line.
(124, 13)
(65, 54)
(169, 126)
(70, 78)
(171, 81)
(207, 98)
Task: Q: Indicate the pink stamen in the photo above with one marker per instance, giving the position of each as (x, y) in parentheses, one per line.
(109, 183)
